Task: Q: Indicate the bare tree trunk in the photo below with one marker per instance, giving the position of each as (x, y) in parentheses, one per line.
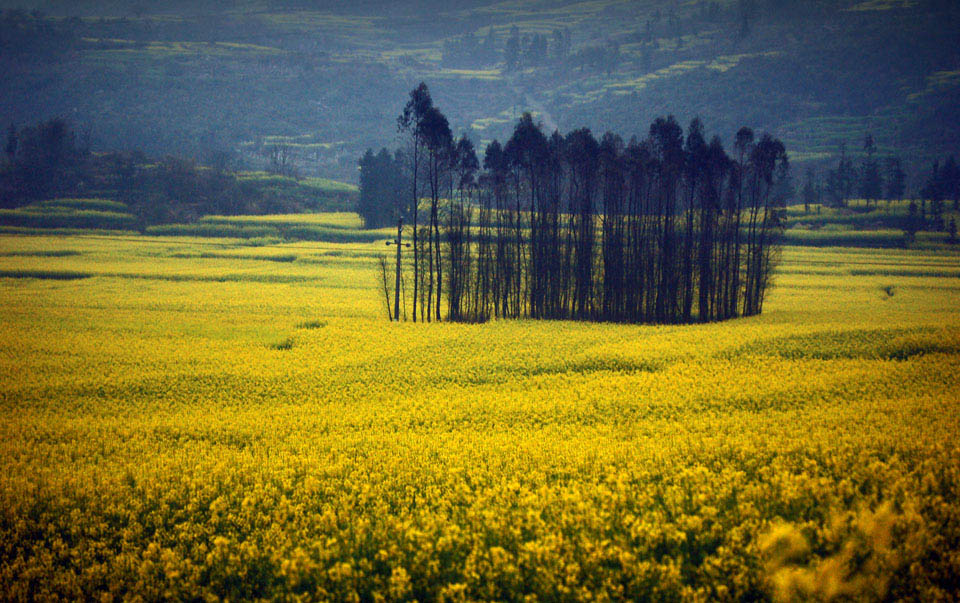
(382, 262)
(396, 288)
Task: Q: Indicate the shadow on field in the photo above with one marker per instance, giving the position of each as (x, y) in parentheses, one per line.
(878, 344)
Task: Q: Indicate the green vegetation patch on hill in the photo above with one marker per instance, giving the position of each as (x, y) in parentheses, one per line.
(71, 213)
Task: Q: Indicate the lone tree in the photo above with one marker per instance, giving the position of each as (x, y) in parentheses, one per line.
(840, 181)
(10, 148)
(934, 192)
(951, 182)
(912, 225)
(871, 182)
(896, 182)
(809, 191)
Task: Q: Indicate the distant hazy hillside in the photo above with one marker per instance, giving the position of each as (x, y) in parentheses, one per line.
(325, 80)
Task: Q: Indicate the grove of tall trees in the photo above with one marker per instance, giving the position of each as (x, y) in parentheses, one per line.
(667, 229)
(382, 186)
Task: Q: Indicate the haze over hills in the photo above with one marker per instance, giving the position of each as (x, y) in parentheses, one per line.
(326, 80)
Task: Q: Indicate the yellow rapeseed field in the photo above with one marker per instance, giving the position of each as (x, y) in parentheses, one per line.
(197, 419)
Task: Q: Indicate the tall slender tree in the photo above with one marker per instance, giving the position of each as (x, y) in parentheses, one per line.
(896, 179)
(439, 145)
(871, 181)
(410, 124)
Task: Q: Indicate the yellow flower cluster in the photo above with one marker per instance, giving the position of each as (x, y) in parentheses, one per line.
(157, 442)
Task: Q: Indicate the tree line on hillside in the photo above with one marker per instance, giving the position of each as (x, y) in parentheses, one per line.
(51, 160)
(943, 184)
(662, 26)
(871, 179)
(668, 229)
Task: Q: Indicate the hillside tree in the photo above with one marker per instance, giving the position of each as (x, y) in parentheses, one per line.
(896, 180)
(871, 182)
(809, 190)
